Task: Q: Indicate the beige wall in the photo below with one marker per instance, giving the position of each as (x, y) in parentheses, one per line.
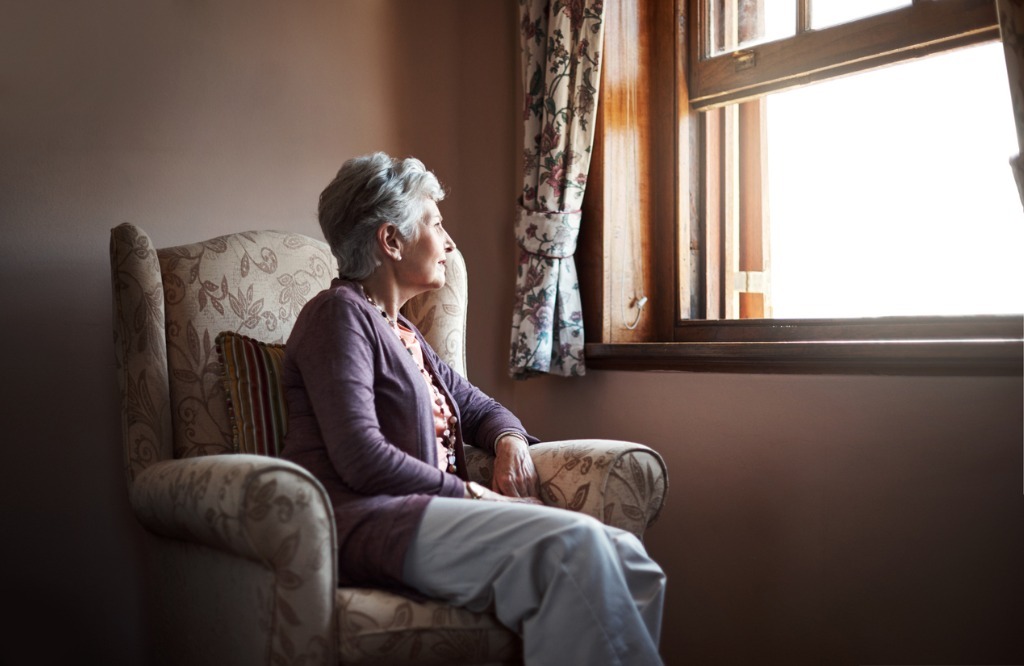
(192, 118)
(810, 520)
(823, 520)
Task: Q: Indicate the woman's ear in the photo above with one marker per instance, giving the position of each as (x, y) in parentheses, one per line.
(389, 241)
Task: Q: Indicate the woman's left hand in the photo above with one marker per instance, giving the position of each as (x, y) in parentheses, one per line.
(514, 473)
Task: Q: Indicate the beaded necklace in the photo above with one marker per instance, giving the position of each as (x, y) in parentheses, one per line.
(450, 420)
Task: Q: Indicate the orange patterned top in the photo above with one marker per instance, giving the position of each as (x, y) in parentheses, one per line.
(442, 411)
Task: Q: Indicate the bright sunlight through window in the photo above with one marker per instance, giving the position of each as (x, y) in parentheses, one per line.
(890, 192)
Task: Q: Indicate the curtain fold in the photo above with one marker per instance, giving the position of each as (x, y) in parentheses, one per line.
(561, 44)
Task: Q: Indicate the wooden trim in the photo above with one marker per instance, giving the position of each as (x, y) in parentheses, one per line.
(803, 16)
(818, 55)
(891, 357)
(714, 216)
(671, 251)
(754, 230)
(687, 226)
(738, 286)
(631, 202)
(987, 327)
(729, 173)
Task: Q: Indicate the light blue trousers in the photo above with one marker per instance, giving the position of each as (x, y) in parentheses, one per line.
(576, 590)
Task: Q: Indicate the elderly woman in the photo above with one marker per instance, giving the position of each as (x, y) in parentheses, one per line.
(381, 420)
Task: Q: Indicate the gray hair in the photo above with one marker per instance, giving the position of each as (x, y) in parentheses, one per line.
(367, 192)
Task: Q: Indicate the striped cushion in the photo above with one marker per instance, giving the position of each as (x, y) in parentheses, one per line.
(252, 381)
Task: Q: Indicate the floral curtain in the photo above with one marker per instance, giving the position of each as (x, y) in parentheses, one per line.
(561, 47)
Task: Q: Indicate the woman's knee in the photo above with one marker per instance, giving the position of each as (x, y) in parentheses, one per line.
(582, 537)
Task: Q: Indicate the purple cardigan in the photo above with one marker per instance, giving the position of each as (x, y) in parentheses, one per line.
(360, 419)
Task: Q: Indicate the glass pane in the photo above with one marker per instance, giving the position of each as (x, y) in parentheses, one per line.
(735, 24)
(825, 13)
(891, 193)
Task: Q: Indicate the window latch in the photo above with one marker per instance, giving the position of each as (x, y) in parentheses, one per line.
(744, 59)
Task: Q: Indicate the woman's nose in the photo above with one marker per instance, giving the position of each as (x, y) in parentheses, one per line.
(449, 243)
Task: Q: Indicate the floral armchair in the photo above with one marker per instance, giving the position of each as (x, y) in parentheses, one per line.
(240, 548)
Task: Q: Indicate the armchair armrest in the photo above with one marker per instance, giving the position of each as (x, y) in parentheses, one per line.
(622, 484)
(266, 510)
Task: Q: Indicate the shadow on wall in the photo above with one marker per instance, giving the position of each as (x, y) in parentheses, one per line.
(458, 114)
(190, 119)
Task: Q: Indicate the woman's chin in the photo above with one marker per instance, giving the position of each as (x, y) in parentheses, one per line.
(434, 284)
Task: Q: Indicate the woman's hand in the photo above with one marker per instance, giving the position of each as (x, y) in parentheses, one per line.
(514, 473)
(476, 491)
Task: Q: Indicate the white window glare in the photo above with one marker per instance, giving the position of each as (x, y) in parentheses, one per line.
(890, 192)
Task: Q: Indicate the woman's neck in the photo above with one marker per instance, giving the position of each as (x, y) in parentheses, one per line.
(384, 294)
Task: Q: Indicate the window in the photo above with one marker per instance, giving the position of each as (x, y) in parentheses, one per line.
(682, 263)
(936, 229)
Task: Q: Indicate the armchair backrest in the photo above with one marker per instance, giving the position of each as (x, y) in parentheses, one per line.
(170, 304)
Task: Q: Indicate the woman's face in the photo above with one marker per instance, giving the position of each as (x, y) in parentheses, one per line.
(423, 256)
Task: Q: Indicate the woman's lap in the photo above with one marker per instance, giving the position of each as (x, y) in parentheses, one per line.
(551, 574)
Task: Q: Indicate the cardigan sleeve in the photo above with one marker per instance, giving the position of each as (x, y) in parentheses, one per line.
(483, 418)
(336, 358)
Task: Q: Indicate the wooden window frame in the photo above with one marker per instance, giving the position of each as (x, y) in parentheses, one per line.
(644, 235)
(817, 55)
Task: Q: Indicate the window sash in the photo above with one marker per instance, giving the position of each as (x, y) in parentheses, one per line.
(734, 212)
(925, 27)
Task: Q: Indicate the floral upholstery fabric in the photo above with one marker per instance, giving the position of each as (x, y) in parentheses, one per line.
(248, 283)
(561, 48)
(251, 538)
(622, 484)
(379, 627)
(169, 307)
(140, 350)
(262, 509)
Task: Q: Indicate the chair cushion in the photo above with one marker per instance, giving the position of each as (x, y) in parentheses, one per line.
(252, 374)
(379, 627)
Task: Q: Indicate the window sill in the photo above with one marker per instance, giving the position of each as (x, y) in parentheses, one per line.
(991, 357)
